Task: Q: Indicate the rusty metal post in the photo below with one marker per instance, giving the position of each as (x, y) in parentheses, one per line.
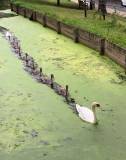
(52, 80)
(40, 72)
(26, 59)
(66, 96)
(19, 51)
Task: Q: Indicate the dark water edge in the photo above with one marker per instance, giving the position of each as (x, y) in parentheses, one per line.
(4, 4)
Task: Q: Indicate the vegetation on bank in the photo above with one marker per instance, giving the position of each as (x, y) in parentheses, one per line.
(4, 4)
(65, 3)
(113, 28)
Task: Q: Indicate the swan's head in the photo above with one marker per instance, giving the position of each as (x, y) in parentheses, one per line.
(96, 104)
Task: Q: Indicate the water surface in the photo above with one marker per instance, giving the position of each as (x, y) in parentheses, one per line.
(35, 122)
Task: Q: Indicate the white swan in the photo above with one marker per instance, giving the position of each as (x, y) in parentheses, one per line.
(8, 35)
(86, 114)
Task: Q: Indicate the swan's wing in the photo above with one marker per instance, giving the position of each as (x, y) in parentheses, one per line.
(82, 109)
(78, 107)
(8, 34)
(85, 113)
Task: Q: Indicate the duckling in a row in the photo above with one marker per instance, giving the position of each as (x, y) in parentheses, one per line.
(32, 67)
(8, 35)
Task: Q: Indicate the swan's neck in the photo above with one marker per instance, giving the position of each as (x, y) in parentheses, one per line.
(94, 112)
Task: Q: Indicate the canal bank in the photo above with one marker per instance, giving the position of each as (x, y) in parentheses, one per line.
(35, 122)
(94, 41)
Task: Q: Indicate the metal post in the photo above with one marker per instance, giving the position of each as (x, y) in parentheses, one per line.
(33, 65)
(40, 72)
(66, 96)
(26, 56)
(58, 2)
(91, 4)
(52, 80)
(125, 64)
(26, 59)
(85, 8)
(19, 51)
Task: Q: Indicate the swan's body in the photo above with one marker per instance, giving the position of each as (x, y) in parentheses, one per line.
(8, 35)
(86, 114)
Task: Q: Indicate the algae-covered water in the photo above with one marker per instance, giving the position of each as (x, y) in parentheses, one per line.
(35, 123)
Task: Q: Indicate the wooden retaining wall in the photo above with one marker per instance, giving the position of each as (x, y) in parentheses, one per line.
(21, 11)
(39, 17)
(51, 23)
(90, 39)
(67, 30)
(116, 53)
(28, 13)
(93, 41)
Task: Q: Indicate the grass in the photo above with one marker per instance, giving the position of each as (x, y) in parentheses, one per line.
(64, 3)
(67, 3)
(113, 28)
(4, 4)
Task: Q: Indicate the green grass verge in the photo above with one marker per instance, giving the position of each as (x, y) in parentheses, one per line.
(113, 28)
(4, 4)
